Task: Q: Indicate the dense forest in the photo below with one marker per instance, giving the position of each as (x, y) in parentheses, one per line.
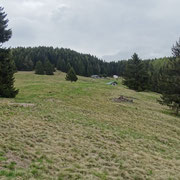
(84, 64)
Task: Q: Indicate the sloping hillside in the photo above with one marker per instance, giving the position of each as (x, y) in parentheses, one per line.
(67, 130)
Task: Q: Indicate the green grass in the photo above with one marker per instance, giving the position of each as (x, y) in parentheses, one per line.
(76, 131)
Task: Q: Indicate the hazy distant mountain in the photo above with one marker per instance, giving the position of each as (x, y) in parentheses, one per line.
(125, 55)
(117, 57)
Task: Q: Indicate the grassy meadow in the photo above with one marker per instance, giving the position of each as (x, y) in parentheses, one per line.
(76, 131)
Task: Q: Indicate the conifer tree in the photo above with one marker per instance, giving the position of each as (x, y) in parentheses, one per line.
(135, 76)
(176, 49)
(39, 69)
(7, 69)
(48, 68)
(170, 82)
(71, 75)
(5, 34)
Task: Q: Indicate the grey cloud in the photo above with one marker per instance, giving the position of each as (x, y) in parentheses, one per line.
(100, 27)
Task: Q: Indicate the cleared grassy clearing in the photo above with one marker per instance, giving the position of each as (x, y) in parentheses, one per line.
(76, 131)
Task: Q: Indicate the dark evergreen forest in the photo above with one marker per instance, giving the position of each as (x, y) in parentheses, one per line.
(83, 64)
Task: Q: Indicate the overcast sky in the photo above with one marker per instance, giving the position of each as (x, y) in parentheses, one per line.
(98, 27)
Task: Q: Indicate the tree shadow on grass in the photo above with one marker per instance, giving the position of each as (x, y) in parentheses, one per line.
(170, 112)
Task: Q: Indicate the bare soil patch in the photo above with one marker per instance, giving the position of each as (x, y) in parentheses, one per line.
(124, 99)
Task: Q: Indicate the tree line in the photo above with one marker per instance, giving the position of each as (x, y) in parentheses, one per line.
(44, 60)
(84, 64)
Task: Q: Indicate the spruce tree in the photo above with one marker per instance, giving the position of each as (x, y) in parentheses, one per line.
(5, 34)
(170, 82)
(135, 76)
(176, 49)
(48, 68)
(71, 75)
(39, 69)
(7, 69)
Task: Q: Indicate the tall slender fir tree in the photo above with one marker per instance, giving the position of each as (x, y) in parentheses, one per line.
(170, 81)
(135, 76)
(7, 69)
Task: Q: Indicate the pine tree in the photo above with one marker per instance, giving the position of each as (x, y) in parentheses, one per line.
(39, 69)
(5, 34)
(71, 75)
(7, 69)
(6, 75)
(135, 76)
(170, 82)
(176, 49)
(48, 68)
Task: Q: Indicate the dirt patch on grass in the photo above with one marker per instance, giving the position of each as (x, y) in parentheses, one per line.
(124, 99)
